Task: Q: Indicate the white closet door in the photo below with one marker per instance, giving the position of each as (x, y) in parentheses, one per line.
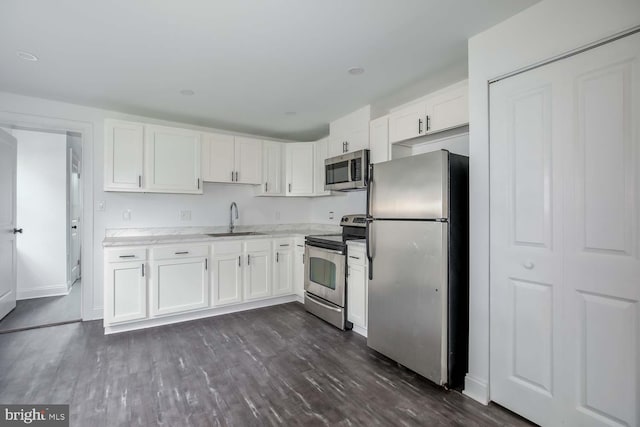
(601, 226)
(565, 269)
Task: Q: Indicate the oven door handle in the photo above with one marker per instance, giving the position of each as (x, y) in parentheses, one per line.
(320, 303)
(331, 251)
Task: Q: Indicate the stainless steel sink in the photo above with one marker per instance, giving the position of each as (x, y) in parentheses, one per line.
(238, 233)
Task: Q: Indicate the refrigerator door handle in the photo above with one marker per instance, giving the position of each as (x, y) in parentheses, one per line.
(369, 220)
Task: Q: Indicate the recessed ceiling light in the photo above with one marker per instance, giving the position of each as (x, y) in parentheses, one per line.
(187, 92)
(26, 56)
(355, 71)
(290, 113)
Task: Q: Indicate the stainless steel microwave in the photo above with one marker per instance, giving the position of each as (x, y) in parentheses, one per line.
(347, 172)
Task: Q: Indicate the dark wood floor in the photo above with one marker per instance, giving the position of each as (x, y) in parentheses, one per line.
(272, 366)
(36, 312)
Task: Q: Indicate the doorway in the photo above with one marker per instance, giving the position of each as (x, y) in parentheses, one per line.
(48, 222)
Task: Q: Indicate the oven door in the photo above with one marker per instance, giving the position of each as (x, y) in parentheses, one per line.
(324, 274)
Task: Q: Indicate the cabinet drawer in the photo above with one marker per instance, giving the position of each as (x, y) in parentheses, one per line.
(228, 247)
(356, 255)
(124, 254)
(283, 243)
(172, 252)
(298, 244)
(258, 245)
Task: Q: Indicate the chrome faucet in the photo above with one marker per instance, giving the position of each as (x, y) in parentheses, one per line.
(231, 224)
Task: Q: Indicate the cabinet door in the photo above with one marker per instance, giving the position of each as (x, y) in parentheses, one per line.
(172, 160)
(407, 123)
(125, 292)
(321, 154)
(357, 138)
(227, 279)
(218, 157)
(357, 295)
(257, 275)
(448, 110)
(299, 169)
(180, 285)
(248, 160)
(283, 273)
(271, 168)
(335, 146)
(298, 270)
(380, 149)
(123, 161)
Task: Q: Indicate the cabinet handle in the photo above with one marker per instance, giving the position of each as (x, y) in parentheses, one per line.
(289, 187)
(265, 187)
(127, 256)
(347, 146)
(300, 246)
(237, 173)
(239, 260)
(428, 123)
(284, 245)
(419, 126)
(139, 181)
(198, 183)
(142, 270)
(354, 257)
(232, 175)
(206, 264)
(277, 256)
(181, 253)
(248, 259)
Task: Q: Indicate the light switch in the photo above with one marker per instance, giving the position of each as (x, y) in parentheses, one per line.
(330, 214)
(126, 214)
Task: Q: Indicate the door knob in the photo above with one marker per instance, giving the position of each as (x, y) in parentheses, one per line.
(528, 265)
(17, 230)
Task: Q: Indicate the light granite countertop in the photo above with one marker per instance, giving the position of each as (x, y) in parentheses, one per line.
(169, 235)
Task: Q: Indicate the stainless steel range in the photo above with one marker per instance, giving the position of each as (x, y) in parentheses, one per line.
(325, 271)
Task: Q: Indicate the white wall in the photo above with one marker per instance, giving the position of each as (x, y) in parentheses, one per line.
(353, 202)
(545, 30)
(41, 210)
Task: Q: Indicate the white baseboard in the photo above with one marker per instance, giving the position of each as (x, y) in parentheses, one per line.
(201, 314)
(45, 291)
(359, 330)
(476, 389)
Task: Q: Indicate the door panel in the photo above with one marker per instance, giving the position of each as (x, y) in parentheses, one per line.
(407, 295)
(448, 110)
(271, 167)
(257, 276)
(180, 285)
(126, 292)
(421, 194)
(218, 154)
(8, 279)
(407, 123)
(299, 169)
(124, 146)
(564, 239)
(173, 160)
(227, 282)
(248, 160)
(282, 284)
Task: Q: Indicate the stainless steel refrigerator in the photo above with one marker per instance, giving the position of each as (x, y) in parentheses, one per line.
(417, 245)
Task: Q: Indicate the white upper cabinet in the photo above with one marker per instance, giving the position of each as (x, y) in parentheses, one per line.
(172, 161)
(228, 158)
(299, 160)
(380, 149)
(124, 159)
(321, 154)
(439, 111)
(248, 160)
(271, 169)
(218, 152)
(350, 133)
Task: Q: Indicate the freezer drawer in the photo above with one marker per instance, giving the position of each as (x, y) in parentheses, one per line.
(408, 295)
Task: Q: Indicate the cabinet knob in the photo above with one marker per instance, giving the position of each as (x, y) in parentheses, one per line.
(528, 265)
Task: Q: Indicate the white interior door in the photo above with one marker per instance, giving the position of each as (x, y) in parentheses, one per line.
(8, 166)
(565, 262)
(74, 216)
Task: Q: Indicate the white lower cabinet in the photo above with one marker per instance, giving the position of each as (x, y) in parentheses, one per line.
(125, 286)
(227, 278)
(283, 267)
(180, 280)
(298, 267)
(257, 270)
(357, 287)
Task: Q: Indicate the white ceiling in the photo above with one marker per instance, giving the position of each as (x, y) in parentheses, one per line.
(248, 61)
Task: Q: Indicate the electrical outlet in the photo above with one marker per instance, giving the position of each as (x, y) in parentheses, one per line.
(330, 214)
(126, 215)
(185, 215)
(277, 215)
(101, 205)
